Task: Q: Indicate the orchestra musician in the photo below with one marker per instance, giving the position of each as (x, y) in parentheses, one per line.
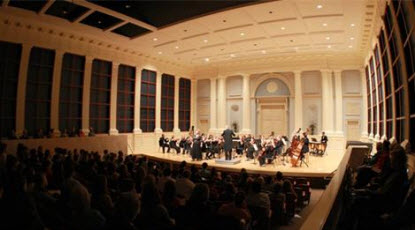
(252, 149)
(240, 145)
(173, 145)
(196, 150)
(164, 143)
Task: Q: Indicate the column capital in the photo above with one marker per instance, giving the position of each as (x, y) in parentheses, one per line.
(116, 64)
(337, 71)
(326, 70)
(59, 52)
(297, 72)
(88, 59)
(222, 77)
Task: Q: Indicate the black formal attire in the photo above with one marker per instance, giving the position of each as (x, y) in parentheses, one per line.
(250, 151)
(163, 143)
(227, 137)
(324, 139)
(173, 145)
(197, 149)
(305, 148)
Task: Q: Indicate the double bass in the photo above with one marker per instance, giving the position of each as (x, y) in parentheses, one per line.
(295, 152)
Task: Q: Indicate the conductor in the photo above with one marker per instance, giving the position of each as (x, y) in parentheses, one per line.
(227, 137)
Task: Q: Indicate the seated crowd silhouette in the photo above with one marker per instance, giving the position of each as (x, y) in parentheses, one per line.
(71, 189)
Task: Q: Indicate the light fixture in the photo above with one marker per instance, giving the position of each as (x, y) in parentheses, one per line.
(176, 47)
(232, 55)
(327, 38)
(264, 51)
(351, 38)
(64, 12)
(242, 34)
(99, 22)
(352, 25)
(270, 12)
(205, 41)
(324, 24)
(155, 39)
(127, 6)
(329, 46)
(160, 52)
(207, 59)
(283, 28)
(319, 6)
(350, 46)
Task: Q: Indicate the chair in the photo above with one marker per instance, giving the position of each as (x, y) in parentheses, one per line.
(300, 197)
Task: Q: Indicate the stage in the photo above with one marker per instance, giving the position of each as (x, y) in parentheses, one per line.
(320, 167)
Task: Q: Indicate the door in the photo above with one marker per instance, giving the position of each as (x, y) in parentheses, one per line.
(272, 118)
(353, 130)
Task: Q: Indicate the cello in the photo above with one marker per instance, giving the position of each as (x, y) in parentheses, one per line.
(295, 153)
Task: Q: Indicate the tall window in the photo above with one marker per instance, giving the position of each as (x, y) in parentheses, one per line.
(369, 101)
(148, 101)
(99, 106)
(167, 102)
(374, 95)
(38, 90)
(9, 73)
(379, 86)
(184, 104)
(125, 99)
(70, 100)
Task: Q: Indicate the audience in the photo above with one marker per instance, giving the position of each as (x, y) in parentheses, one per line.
(76, 189)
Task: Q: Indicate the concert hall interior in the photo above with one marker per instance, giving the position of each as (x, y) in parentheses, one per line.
(227, 114)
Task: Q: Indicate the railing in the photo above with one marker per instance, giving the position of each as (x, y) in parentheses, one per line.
(320, 214)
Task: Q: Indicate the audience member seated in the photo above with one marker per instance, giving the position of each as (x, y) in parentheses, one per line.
(184, 186)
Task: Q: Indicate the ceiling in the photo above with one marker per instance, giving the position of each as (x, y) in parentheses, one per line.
(201, 32)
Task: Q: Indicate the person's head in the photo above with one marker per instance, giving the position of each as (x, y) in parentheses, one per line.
(279, 176)
(200, 194)
(167, 172)
(239, 199)
(323, 133)
(204, 165)
(169, 192)
(287, 186)
(150, 195)
(186, 174)
(256, 186)
(2, 147)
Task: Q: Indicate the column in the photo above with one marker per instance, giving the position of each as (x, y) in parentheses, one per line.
(327, 100)
(212, 121)
(246, 99)
(176, 105)
(193, 108)
(158, 103)
(339, 102)
(86, 94)
(56, 86)
(365, 133)
(137, 101)
(113, 98)
(221, 103)
(21, 89)
(298, 105)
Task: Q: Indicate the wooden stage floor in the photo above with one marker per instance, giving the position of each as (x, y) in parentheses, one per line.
(318, 166)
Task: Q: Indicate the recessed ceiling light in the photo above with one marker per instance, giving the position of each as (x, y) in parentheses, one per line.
(205, 41)
(223, 20)
(184, 30)
(329, 46)
(263, 51)
(155, 39)
(232, 55)
(352, 25)
(64, 12)
(207, 59)
(270, 12)
(176, 47)
(327, 38)
(255, 44)
(351, 38)
(242, 34)
(319, 6)
(350, 46)
(283, 28)
(127, 6)
(324, 24)
(160, 52)
(99, 22)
